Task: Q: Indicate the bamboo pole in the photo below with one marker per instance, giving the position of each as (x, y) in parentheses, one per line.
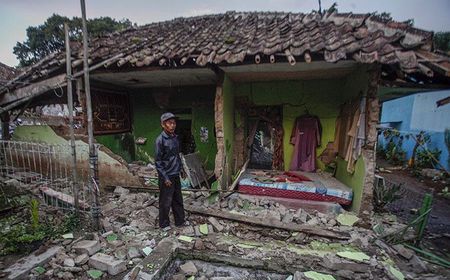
(71, 130)
(92, 181)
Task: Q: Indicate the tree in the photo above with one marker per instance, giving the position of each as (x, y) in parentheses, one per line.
(49, 37)
(442, 41)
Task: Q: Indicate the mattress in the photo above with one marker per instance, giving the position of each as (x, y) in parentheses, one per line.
(295, 184)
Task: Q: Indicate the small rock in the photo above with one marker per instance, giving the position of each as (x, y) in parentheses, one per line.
(121, 191)
(121, 253)
(81, 259)
(189, 230)
(273, 216)
(178, 277)
(288, 217)
(404, 252)
(67, 275)
(69, 262)
(133, 253)
(417, 264)
(215, 224)
(189, 268)
(198, 245)
(332, 222)
(313, 222)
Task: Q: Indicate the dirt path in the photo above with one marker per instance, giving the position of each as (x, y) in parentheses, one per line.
(415, 190)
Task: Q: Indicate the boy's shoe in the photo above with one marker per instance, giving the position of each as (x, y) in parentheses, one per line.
(184, 224)
(167, 228)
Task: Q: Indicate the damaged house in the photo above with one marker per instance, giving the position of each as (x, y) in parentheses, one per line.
(288, 98)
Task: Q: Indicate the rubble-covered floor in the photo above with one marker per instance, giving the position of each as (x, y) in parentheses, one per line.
(130, 239)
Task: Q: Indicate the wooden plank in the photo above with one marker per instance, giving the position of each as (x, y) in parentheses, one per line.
(314, 230)
(236, 181)
(34, 89)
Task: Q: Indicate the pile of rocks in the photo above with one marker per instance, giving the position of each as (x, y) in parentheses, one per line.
(110, 253)
(270, 210)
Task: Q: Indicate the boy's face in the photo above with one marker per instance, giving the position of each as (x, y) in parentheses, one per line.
(169, 126)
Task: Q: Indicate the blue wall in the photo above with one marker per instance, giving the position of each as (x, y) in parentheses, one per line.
(411, 114)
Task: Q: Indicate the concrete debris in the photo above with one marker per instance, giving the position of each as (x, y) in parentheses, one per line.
(69, 262)
(107, 263)
(189, 269)
(131, 240)
(404, 252)
(121, 191)
(81, 259)
(89, 247)
(217, 226)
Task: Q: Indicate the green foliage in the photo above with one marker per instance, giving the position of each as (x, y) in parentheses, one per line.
(20, 237)
(34, 210)
(425, 160)
(49, 36)
(384, 194)
(393, 151)
(441, 41)
(424, 157)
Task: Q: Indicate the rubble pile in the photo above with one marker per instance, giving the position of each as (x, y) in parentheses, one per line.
(130, 237)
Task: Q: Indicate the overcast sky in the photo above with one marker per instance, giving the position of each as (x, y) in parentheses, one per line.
(17, 15)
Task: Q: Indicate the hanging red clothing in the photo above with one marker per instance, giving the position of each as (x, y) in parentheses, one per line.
(306, 137)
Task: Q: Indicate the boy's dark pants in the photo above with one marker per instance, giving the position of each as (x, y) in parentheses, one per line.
(170, 197)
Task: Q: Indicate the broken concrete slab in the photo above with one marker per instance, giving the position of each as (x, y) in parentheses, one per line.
(189, 269)
(347, 219)
(334, 263)
(153, 265)
(215, 223)
(89, 247)
(22, 267)
(107, 263)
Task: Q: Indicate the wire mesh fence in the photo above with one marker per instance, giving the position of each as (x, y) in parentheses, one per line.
(46, 170)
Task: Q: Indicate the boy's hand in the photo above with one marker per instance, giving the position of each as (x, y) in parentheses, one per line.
(168, 183)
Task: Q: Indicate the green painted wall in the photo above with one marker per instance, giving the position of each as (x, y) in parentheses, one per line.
(146, 116)
(322, 98)
(355, 180)
(203, 116)
(228, 122)
(121, 144)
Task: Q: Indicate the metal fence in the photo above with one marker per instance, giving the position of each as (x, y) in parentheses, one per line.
(46, 170)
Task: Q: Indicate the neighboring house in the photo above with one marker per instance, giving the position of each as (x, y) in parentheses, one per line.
(429, 112)
(223, 73)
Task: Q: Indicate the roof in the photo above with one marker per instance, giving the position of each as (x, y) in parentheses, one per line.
(6, 73)
(257, 37)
